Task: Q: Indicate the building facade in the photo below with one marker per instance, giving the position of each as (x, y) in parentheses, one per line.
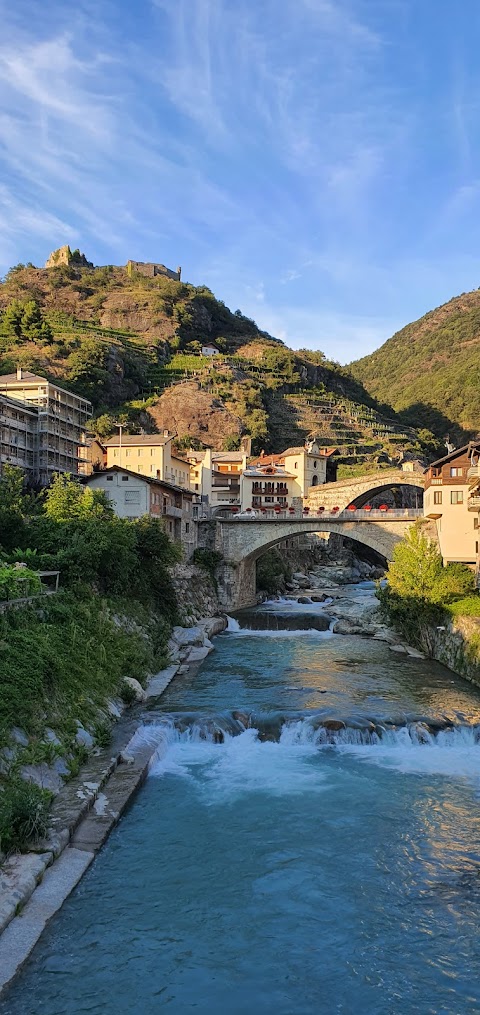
(284, 480)
(49, 427)
(148, 454)
(134, 495)
(452, 486)
(216, 476)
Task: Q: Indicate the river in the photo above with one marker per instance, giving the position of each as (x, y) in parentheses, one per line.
(329, 863)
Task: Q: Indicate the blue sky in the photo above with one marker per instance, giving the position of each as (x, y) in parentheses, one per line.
(315, 162)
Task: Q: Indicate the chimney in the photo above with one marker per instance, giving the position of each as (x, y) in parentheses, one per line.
(166, 433)
(262, 453)
(19, 374)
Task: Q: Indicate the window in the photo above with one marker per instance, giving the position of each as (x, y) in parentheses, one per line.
(109, 479)
(132, 496)
(456, 497)
(139, 452)
(127, 454)
(454, 471)
(314, 465)
(476, 523)
(437, 497)
(187, 527)
(115, 452)
(124, 479)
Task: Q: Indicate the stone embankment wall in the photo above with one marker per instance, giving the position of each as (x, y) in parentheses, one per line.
(457, 646)
(196, 593)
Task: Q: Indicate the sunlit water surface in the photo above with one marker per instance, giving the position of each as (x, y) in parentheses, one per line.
(289, 877)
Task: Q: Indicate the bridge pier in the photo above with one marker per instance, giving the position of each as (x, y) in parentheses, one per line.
(236, 584)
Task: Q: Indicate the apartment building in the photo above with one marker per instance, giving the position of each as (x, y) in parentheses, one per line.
(149, 455)
(134, 495)
(216, 475)
(48, 428)
(452, 486)
(284, 480)
(18, 436)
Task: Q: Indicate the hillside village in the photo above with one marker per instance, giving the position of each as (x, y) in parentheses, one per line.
(256, 427)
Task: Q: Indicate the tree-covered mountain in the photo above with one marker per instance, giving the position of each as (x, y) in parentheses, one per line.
(430, 370)
(132, 344)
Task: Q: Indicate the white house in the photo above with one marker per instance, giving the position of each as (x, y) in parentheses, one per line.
(134, 495)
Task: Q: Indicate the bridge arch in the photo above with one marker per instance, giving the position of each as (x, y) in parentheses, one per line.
(242, 542)
(360, 489)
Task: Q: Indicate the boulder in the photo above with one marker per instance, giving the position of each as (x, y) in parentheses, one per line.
(136, 687)
(43, 775)
(188, 636)
(351, 627)
(19, 737)
(304, 599)
(84, 738)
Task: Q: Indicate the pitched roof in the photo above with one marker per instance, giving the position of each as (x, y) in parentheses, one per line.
(26, 376)
(471, 446)
(151, 480)
(147, 439)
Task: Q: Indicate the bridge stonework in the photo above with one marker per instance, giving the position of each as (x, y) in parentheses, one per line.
(345, 491)
(242, 541)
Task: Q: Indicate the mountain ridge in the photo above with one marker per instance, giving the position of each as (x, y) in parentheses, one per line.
(429, 371)
(132, 344)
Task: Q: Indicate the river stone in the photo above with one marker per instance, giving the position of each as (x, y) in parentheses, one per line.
(188, 636)
(398, 648)
(318, 599)
(304, 600)
(350, 627)
(136, 687)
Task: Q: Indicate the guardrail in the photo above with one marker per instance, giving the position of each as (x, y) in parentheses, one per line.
(346, 515)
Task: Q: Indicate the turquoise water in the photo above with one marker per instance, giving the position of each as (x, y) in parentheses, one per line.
(292, 875)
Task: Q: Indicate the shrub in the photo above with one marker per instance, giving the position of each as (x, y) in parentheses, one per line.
(24, 811)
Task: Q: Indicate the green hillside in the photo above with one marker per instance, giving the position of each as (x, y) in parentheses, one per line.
(430, 370)
(132, 345)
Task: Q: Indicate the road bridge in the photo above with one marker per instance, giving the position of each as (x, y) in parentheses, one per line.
(242, 540)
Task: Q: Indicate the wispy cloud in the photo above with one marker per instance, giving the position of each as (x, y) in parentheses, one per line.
(301, 147)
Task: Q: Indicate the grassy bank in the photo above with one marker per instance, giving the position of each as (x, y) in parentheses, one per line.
(64, 657)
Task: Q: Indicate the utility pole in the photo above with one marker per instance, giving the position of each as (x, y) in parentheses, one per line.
(120, 428)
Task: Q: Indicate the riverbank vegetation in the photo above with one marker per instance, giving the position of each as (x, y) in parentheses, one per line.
(63, 657)
(421, 594)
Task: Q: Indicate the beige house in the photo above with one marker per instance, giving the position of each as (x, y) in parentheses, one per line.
(295, 471)
(451, 499)
(134, 495)
(51, 419)
(269, 486)
(150, 455)
(216, 475)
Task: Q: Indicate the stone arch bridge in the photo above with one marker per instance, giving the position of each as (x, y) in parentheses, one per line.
(359, 489)
(242, 540)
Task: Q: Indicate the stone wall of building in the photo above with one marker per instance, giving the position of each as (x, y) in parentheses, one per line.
(150, 270)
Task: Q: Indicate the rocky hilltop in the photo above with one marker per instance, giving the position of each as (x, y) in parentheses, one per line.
(153, 351)
(429, 371)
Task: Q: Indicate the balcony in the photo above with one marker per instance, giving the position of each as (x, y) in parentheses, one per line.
(474, 503)
(172, 512)
(473, 472)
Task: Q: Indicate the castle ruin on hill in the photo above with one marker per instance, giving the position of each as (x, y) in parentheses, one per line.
(65, 256)
(150, 270)
(73, 258)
